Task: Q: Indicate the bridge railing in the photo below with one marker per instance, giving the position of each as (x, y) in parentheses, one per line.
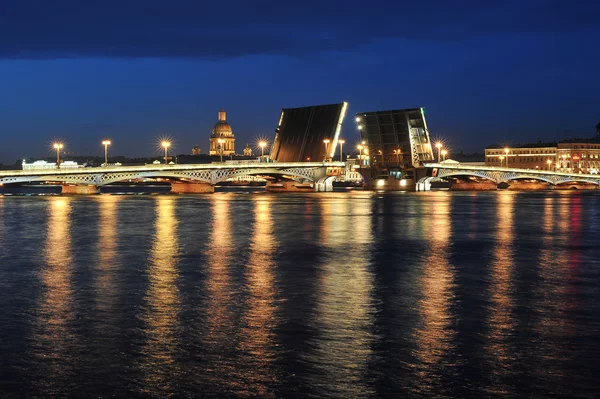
(459, 166)
(175, 167)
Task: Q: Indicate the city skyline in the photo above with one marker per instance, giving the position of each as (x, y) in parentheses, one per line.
(484, 72)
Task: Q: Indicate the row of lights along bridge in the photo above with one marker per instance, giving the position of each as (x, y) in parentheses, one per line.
(165, 144)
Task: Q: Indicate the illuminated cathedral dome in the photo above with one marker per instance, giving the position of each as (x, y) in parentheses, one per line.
(222, 141)
(222, 128)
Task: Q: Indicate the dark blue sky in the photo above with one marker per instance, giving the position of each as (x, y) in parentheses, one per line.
(486, 72)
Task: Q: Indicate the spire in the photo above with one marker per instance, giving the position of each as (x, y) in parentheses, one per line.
(222, 115)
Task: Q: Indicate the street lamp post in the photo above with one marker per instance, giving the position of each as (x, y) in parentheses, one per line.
(549, 162)
(326, 141)
(221, 141)
(341, 146)
(506, 151)
(166, 144)
(444, 153)
(58, 147)
(360, 148)
(106, 143)
(501, 158)
(439, 146)
(262, 146)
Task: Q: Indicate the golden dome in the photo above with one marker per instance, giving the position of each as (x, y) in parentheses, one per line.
(222, 128)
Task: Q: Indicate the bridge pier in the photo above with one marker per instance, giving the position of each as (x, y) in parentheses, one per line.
(286, 186)
(191, 188)
(474, 186)
(528, 185)
(80, 190)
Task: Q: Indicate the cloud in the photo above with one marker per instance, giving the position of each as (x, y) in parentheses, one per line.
(40, 29)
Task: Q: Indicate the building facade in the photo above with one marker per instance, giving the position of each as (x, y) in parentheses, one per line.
(541, 156)
(578, 156)
(222, 140)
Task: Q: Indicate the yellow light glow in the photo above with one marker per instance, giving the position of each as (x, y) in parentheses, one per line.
(262, 144)
(106, 142)
(359, 147)
(165, 144)
(58, 146)
(326, 141)
(439, 144)
(506, 150)
(444, 152)
(357, 119)
(360, 127)
(341, 141)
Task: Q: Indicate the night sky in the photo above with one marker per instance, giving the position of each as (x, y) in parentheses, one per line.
(486, 72)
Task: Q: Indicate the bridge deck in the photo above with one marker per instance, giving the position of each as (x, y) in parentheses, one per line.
(171, 168)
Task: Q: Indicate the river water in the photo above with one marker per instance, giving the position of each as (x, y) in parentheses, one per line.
(343, 294)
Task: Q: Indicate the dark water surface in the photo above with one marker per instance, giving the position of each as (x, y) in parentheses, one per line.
(317, 295)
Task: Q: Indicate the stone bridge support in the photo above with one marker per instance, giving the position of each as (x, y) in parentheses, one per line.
(286, 186)
(80, 189)
(179, 187)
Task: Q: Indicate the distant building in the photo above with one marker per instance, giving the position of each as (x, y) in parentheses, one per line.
(247, 151)
(523, 156)
(42, 165)
(196, 150)
(222, 141)
(579, 155)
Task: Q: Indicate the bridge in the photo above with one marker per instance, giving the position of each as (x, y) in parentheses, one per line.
(496, 175)
(187, 178)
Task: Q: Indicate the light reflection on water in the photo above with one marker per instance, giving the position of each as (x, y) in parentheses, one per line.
(434, 335)
(323, 295)
(501, 318)
(54, 342)
(162, 299)
(344, 314)
(258, 340)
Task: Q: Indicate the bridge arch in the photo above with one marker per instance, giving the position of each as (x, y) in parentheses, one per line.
(482, 175)
(528, 177)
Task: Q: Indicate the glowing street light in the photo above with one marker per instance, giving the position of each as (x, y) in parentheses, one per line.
(341, 146)
(221, 142)
(360, 148)
(58, 147)
(439, 146)
(262, 146)
(506, 151)
(549, 162)
(326, 141)
(501, 157)
(106, 143)
(166, 144)
(444, 153)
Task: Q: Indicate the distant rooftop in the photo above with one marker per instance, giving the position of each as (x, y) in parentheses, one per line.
(527, 145)
(582, 140)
